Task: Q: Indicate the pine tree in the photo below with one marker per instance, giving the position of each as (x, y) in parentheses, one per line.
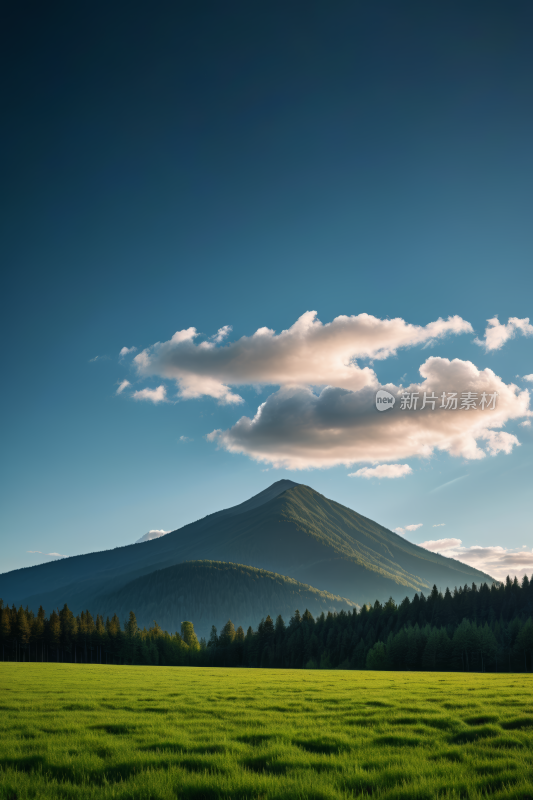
(131, 627)
(54, 632)
(377, 657)
(5, 630)
(23, 628)
(37, 632)
(295, 619)
(227, 634)
(524, 643)
(487, 646)
(69, 629)
(280, 627)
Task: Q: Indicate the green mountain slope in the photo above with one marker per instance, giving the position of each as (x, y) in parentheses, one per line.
(288, 529)
(211, 592)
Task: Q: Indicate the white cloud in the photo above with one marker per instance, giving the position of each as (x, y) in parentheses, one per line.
(222, 333)
(151, 535)
(308, 353)
(495, 561)
(50, 555)
(383, 471)
(407, 528)
(440, 525)
(526, 423)
(441, 545)
(158, 395)
(298, 429)
(185, 439)
(91, 360)
(528, 378)
(126, 351)
(497, 333)
(123, 385)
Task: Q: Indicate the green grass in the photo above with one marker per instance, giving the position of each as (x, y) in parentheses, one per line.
(71, 731)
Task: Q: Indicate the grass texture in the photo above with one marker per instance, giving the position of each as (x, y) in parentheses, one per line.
(154, 733)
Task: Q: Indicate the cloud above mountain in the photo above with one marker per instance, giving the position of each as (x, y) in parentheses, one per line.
(408, 528)
(383, 471)
(297, 428)
(155, 534)
(307, 354)
(498, 562)
(322, 412)
(48, 555)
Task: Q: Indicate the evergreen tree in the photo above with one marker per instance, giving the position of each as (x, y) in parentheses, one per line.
(22, 631)
(54, 633)
(227, 634)
(69, 629)
(37, 633)
(377, 657)
(5, 630)
(524, 644)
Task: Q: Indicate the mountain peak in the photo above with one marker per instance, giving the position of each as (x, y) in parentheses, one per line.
(263, 497)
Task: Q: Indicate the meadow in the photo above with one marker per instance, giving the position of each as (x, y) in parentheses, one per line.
(91, 731)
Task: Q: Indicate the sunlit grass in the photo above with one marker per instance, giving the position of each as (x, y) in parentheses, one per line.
(71, 731)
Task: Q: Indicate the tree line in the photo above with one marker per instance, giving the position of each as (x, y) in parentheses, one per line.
(473, 629)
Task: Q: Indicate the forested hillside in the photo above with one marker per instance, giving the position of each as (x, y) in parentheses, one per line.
(485, 629)
(209, 592)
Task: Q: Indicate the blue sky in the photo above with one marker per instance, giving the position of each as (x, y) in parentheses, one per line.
(167, 168)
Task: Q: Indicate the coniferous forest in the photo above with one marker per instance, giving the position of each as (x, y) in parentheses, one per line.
(473, 629)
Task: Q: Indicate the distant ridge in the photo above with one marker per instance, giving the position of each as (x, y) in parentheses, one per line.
(288, 529)
(211, 592)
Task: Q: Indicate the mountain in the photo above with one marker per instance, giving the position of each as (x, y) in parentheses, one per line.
(288, 529)
(211, 592)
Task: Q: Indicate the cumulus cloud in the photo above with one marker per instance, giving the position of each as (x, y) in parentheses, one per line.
(526, 423)
(440, 525)
(383, 471)
(50, 555)
(528, 378)
(185, 439)
(498, 562)
(497, 333)
(408, 528)
(126, 351)
(123, 385)
(306, 354)
(151, 535)
(158, 395)
(441, 545)
(297, 428)
(222, 333)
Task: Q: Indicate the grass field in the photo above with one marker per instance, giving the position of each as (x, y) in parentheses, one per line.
(155, 733)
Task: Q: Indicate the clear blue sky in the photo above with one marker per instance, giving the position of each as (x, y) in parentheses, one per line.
(170, 166)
